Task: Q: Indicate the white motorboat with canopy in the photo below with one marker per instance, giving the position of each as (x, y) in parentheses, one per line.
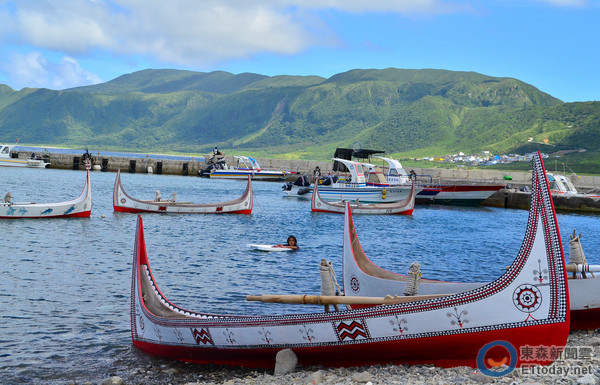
(9, 158)
(245, 166)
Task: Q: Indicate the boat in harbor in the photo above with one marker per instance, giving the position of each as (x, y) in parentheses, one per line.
(490, 324)
(123, 202)
(245, 166)
(560, 185)
(78, 207)
(352, 185)
(469, 194)
(403, 207)
(9, 158)
(361, 277)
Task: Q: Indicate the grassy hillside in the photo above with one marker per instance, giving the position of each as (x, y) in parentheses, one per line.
(404, 112)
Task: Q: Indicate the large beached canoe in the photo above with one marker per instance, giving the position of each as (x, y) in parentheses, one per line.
(124, 202)
(361, 277)
(493, 323)
(78, 207)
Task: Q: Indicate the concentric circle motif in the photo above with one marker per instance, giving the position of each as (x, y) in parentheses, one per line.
(123, 200)
(527, 298)
(354, 284)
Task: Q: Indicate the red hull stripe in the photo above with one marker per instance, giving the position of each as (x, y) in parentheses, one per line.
(417, 351)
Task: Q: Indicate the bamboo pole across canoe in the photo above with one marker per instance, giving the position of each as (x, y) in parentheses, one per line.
(305, 299)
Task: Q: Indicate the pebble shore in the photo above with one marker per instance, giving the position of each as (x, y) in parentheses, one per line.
(568, 370)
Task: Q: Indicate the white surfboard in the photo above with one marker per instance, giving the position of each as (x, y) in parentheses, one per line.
(252, 246)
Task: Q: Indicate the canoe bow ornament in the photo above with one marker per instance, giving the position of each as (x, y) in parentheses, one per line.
(541, 274)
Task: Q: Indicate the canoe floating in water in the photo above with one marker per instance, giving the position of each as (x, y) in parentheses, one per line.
(78, 207)
(123, 202)
(403, 207)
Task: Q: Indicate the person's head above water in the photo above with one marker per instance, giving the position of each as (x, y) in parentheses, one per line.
(292, 241)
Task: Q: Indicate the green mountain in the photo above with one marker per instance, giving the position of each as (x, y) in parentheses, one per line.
(404, 112)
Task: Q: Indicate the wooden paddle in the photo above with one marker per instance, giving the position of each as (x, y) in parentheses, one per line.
(337, 300)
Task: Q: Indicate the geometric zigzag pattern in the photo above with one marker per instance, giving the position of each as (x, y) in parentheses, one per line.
(351, 331)
(202, 336)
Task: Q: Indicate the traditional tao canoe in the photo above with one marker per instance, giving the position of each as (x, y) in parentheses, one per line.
(487, 325)
(403, 207)
(124, 202)
(361, 277)
(78, 207)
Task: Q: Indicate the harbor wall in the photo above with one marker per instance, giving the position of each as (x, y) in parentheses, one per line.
(514, 199)
(510, 197)
(192, 166)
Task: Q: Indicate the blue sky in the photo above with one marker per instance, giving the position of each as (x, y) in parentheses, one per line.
(552, 44)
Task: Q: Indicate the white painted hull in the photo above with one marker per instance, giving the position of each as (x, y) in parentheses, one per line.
(123, 202)
(240, 174)
(364, 194)
(78, 207)
(403, 207)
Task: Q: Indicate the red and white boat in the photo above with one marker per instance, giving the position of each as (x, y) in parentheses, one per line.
(123, 202)
(78, 207)
(494, 321)
(361, 277)
(403, 207)
(452, 194)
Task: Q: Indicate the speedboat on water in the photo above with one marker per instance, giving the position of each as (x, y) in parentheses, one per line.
(8, 158)
(245, 166)
(403, 207)
(353, 187)
(562, 186)
(298, 188)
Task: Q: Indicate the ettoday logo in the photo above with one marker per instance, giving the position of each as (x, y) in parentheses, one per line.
(502, 349)
(499, 358)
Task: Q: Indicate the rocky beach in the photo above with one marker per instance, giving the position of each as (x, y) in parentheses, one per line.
(579, 364)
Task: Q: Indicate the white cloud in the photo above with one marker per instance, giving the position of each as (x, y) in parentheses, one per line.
(187, 32)
(34, 70)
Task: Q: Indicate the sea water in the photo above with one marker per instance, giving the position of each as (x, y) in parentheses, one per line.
(65, 283)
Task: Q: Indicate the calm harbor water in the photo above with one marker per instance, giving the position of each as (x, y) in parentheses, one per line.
(65, 286)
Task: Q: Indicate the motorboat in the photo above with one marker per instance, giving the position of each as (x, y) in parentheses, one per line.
(123, 202)
(9, 158)
(245, 166)
(298, 188)
(403, 207)
(352, 185)
(78, 207)
(562, 186)
(485, 326)
(445, 193)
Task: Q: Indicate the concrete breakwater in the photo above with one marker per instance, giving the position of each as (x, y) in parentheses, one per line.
(510, 197)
